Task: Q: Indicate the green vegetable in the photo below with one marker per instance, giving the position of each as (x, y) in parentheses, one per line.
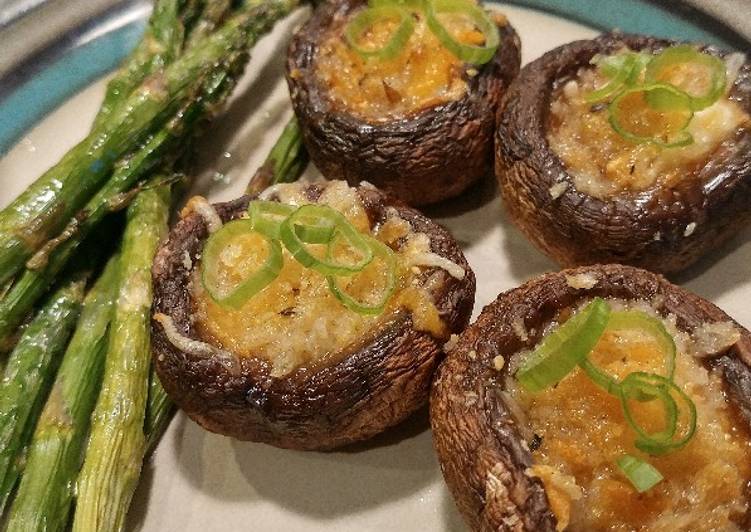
(670, 65)
(117, 443)
(267, 217)
(634, 320)
(45, 493)
(325, 215)
(29, 374)
(159, 45)
(642, 475)
(382, 253)
(369, 17)
(33, 283)
(255, 282)
(644, 387)
(659, 115)
(51, 201)
(159, 410)
(414, 5)
(623, 70)
(286, 161)
(563, 348)
(476, 55)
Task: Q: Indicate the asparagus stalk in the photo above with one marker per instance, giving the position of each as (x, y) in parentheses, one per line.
(159, 410)
(286, 160)
(49, 203)
(50, 260)
(29, 373)
(34, 281)
(45, 493)
(161, 42)
(213, 14)
(116, 446)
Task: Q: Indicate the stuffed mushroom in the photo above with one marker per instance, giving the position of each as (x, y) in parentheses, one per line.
(308, 318)
(628, 149)
(599, 398)
(402, 94)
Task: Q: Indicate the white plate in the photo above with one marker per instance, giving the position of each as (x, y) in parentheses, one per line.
(199, 481)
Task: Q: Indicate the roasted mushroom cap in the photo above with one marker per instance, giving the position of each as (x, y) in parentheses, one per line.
(483, 455)
(663, 230)
(349, 397)
(422, 157)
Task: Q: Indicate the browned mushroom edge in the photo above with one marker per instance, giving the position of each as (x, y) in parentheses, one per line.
(482, 454)
(351, 397)
(422, 158)
(575, 228)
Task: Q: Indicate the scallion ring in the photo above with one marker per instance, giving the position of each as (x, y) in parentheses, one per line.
(642, 475)
(255, 282)
(623, 70)
(565, 347)
(640, 385)
(267, 217)
(366, 19)
(635, 115)
(649, 325)
(325, 216)
(677, 66)
(412, 5)
(468, 53)
(382, 252)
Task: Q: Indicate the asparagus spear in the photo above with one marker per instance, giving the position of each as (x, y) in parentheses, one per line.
(28, 374)
(286, 160)
(45, 493)
(47, 205)
(33, 282)
(159, 410)
(49, 261)
(161, 42)
(213, 14)
(116, 446)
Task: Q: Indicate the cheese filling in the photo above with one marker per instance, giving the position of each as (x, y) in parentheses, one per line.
(603, 163)
(423, 75)
(296, 320)
(583, 431)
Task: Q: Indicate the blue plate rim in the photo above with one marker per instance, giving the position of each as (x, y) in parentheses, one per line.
(45, 79)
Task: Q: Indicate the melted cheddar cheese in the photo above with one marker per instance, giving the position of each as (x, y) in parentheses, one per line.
(296, 320)
(603, 163)
(423, 75)
(583, 432)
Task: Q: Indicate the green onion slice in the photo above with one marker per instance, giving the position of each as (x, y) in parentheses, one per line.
(255, 282)
(701, 76)
(644, 387)
(383, 253)
(267, 217)
(412, 5)
(565, 347)
(656, 113)
(369, 17)
(651, 326)
(325, 216)
(642, 475)
(476, 55)
(623, 70)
